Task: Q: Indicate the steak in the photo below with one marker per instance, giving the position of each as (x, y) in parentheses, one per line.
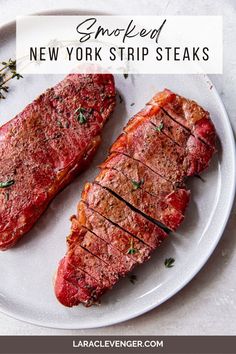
(132, 192)
(110, 233)
(138, 197)
(45, 146)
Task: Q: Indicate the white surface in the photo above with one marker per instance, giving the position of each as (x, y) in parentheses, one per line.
(207, 304)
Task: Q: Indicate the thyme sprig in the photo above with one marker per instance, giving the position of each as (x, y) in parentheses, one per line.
(133, 278)
(136, 184)
(159, 127)
(169, 262)
(7, 73)
(132, 250)
(7, 184)
(79, 112)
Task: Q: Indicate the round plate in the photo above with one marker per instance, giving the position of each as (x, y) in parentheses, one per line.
(26, 288)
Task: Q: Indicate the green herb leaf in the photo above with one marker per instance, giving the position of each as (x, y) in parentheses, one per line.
(80, 115)
(7, 73)
(132, 250)
(159, 127)
(136, 185)
(7, 183)
(169, 262)
(59, 123)
(15, 74)
(200, 177)
(133, 278)
(7, 196)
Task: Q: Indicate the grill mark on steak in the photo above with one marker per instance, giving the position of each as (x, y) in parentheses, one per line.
(117, 211)
(53, 153)
(155, 209)
(111, 233)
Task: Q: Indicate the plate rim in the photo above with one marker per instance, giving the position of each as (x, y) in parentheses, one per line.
(189, 278)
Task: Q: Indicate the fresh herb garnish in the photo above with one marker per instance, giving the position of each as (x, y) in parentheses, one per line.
(6, 76)
(159, 127)
(120, 98)
(80, 115)
(126, 76)
(169, 262)
(7, 196)
(7, 183)
(136, 185)
(59, 123)
(11, 64)
(133, 278)
(200, 177)
(132, 250)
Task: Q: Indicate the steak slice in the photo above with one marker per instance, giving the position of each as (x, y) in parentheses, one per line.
(121, 263)
(153, 149)
(189, 114)
(139, 185)
(74, 283)
(174, 194)
(132, 192)
(112, 208)
(73, 286)
(111, 233)
(146, 142)
(46, 145)
(102, 272)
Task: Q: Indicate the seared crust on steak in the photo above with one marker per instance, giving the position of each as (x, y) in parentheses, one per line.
(140, 191)
(46, 145)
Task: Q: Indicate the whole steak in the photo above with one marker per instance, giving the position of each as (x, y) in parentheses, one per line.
(46, 145)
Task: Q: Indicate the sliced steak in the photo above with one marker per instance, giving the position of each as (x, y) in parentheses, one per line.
(137, 171)
(189, 114)
(120, 262)
(73, 286)
(112, 208)
(154, 149)
(112, 233)
(197, 151)
(82, 259)
(46, 145)
(174, 194)
(131, 191)
(139, 191)
(144, 142)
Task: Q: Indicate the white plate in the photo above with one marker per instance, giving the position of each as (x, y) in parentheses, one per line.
(26, 287)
